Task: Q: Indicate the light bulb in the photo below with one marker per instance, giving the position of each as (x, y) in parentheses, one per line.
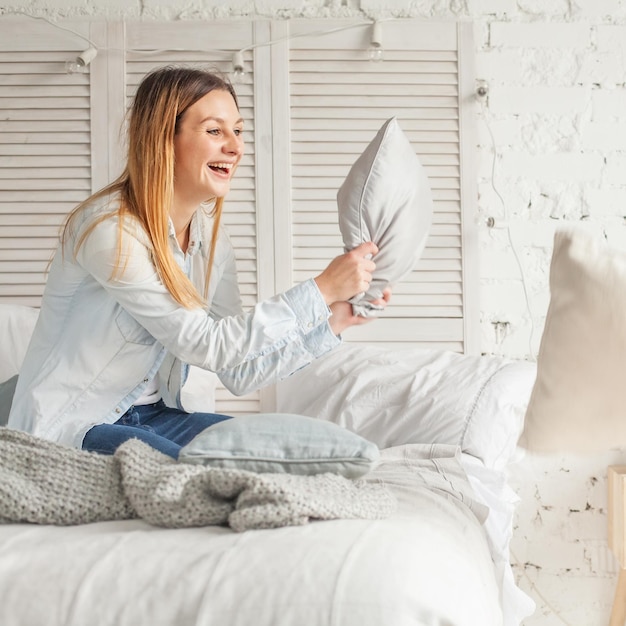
(375, 52)
(80, 63)
(74, 67)
(239, 75)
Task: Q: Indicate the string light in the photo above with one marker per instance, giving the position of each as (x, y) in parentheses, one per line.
(376, 51)
(238, 73)
(79, 65)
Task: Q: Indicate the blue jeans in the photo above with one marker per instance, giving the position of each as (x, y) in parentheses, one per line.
(161, 427)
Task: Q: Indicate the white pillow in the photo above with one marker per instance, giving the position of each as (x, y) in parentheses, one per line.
(395, 397)
(386, 199)
(17, 323)
(198, 392)
(578, 403)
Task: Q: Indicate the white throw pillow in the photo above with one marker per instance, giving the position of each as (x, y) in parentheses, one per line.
(396, 397)
(198, 392)
(17, 323)
(578, 403)
(386, 199)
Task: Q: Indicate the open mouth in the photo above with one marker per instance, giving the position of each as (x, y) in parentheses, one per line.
(221, 168)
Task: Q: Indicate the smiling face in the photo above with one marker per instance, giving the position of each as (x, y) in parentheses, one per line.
(207, 147)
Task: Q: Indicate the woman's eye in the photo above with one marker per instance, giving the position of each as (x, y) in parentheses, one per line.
(238, 131)
(213, 131)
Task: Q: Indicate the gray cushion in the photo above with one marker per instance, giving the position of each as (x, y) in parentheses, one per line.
(386, 199)
(282, 442)
(7, 391)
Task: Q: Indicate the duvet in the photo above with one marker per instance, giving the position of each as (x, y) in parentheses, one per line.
(426, 564)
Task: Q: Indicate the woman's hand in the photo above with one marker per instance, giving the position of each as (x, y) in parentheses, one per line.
(348, 274)
(342, 316)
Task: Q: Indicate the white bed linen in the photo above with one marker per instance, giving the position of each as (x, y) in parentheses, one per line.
(427, 565)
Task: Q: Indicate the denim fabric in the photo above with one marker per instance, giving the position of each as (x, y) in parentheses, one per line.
(161, 427)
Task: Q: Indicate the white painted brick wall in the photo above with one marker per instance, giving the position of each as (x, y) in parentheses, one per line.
(609, 104)
(538, 100)
(554, 35)
(557, 109)
(561, 166)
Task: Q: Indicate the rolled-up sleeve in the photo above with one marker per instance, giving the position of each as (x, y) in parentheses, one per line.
(312, 339)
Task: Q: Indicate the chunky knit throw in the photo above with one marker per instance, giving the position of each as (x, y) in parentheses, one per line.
(45, 483)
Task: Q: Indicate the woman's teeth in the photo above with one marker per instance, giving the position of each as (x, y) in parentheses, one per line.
(221, 167)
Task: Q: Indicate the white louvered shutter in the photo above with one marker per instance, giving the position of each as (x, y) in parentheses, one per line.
(45, 150)
(338, 101)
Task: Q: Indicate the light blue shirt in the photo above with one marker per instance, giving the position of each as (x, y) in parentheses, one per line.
(100, 339)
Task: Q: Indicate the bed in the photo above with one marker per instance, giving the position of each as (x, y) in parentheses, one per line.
(446, 426)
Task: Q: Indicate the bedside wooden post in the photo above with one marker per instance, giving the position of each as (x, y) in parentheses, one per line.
(617, 540)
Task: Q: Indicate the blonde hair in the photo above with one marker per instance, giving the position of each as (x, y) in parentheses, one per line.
(146, 186)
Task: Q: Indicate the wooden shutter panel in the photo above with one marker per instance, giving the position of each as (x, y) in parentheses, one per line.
(339, 99)
(45, 150)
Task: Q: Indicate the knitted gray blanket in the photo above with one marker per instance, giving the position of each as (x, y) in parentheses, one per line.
(45, 483)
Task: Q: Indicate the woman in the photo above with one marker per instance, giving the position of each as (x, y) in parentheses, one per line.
(144, 283)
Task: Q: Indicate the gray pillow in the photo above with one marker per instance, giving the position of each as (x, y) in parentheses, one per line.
(386, 198)
(7, 391)
(282, 442)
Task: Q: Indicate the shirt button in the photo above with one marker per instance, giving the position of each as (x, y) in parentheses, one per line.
(118, 410)
(310, 324)
(145, 380)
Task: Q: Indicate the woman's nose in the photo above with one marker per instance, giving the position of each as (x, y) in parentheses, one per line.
(234, 145)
